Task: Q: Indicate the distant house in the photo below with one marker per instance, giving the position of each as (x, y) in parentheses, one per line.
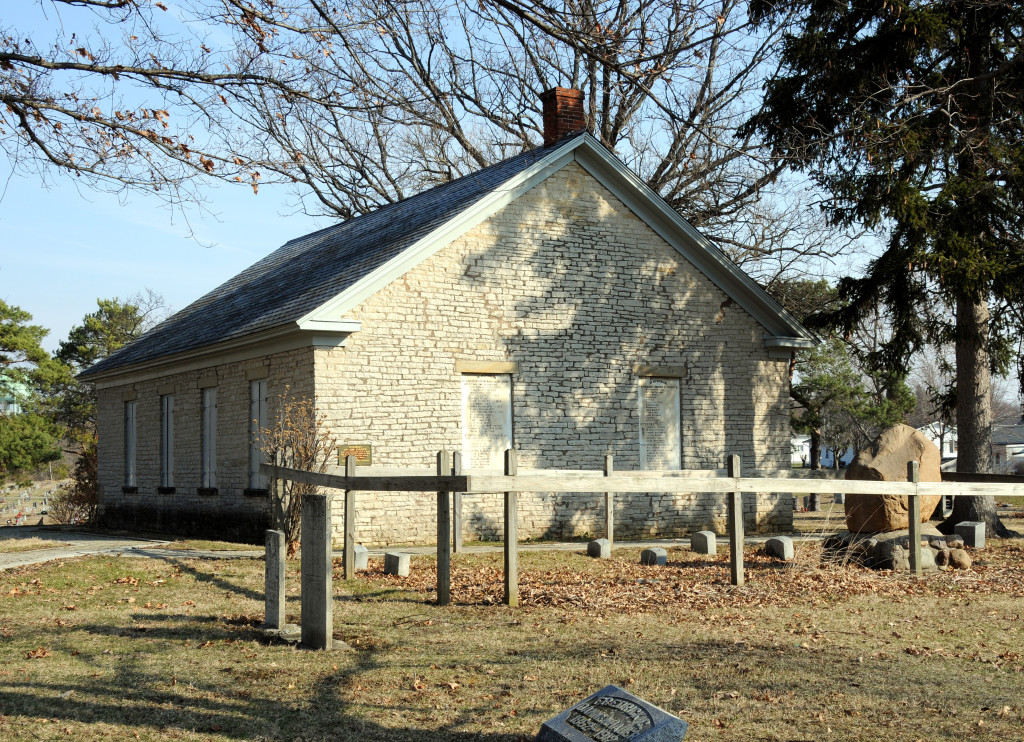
(551, 302)
(943, 436)
(1008, 448)
(800, 453)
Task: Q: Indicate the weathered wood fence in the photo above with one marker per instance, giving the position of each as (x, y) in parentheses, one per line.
(450, 482)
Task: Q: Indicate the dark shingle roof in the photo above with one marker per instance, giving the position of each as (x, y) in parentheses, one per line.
(1008, 434)
(309, 271)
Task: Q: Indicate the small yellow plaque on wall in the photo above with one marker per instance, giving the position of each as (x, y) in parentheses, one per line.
(362, 451)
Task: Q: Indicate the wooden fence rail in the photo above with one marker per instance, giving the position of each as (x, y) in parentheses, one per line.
(632, 481)
(449, 482)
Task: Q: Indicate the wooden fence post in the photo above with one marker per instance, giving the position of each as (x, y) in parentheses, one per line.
(274, 596)
(735, 520)
(914, 518)
(457, 505)
(511, 534)
(444, 535)
(609, 504)
(317, 573)
(348, 555)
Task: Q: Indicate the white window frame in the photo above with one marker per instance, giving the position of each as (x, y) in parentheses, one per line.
(496, 457)
(671, 421)
(130, 443)
(166, 440)
(209, 437)
(258, 418)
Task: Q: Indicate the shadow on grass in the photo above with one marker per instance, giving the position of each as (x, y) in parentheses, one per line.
(165, 705)
(196, 629)
(214, 579)
(245, 707)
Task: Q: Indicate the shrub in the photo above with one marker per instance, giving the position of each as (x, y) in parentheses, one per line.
(76, 502)
(300, 439)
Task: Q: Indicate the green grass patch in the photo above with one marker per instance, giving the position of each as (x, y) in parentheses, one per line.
(156, 649)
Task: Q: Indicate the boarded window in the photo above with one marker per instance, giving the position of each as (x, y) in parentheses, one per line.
(129, 444)
(660, 442)
(167, 440)
(258, 403)
(209, 436)
(486, 420)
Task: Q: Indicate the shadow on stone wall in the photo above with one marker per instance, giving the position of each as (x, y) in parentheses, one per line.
(582, 322)
(242, 527)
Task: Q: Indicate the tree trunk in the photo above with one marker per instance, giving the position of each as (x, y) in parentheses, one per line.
(974, 415)
(812, 499)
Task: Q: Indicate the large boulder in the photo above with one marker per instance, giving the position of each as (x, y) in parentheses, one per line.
(886, 461)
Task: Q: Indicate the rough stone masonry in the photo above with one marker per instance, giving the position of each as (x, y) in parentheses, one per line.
(568, 288)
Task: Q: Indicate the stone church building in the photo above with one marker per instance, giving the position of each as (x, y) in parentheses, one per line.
(551, 302)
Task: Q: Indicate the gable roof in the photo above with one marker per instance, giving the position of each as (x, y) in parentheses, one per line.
(310, 282)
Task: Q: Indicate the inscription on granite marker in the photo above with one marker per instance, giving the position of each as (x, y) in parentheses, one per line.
(610, 719)
(613, 715)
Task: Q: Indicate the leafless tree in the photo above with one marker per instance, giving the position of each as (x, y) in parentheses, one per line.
(933, 381)
(365, 103)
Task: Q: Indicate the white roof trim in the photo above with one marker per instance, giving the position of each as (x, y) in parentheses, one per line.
(691, 244)
(774, 341)
(444, 235)
(330, 325)
(783, 328)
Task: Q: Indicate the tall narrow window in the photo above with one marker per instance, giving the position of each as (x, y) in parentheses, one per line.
(129, 444)
(167, 441)
(660, 442)
(486, 420)
(209, 436)
(258, 404)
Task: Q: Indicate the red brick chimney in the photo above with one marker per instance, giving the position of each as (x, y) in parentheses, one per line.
(563, 113)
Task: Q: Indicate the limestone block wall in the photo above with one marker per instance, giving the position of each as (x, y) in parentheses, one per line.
(225, 512)
(568, 284)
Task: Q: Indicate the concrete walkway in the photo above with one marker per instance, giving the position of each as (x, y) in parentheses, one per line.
(67, 544)
(71, 544)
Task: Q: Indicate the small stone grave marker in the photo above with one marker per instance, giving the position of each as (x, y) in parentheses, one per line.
(396, 563)
(703, 542)
(654, 556)
(599, 548)
(972, 532)
(362, 556)
(613, 715)
(780, 547)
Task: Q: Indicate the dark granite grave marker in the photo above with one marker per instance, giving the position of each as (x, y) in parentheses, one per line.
(613, 715)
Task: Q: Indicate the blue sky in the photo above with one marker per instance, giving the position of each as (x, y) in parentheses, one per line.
(62, 247)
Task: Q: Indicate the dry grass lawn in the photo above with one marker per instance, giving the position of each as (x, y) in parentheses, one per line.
(129, 648)
(31, 543)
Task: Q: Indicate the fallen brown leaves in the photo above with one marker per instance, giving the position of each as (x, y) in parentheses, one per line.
(624, 586)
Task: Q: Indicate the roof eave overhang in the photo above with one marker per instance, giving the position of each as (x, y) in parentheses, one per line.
(280, 339)
(783, 347)
(783, 330)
